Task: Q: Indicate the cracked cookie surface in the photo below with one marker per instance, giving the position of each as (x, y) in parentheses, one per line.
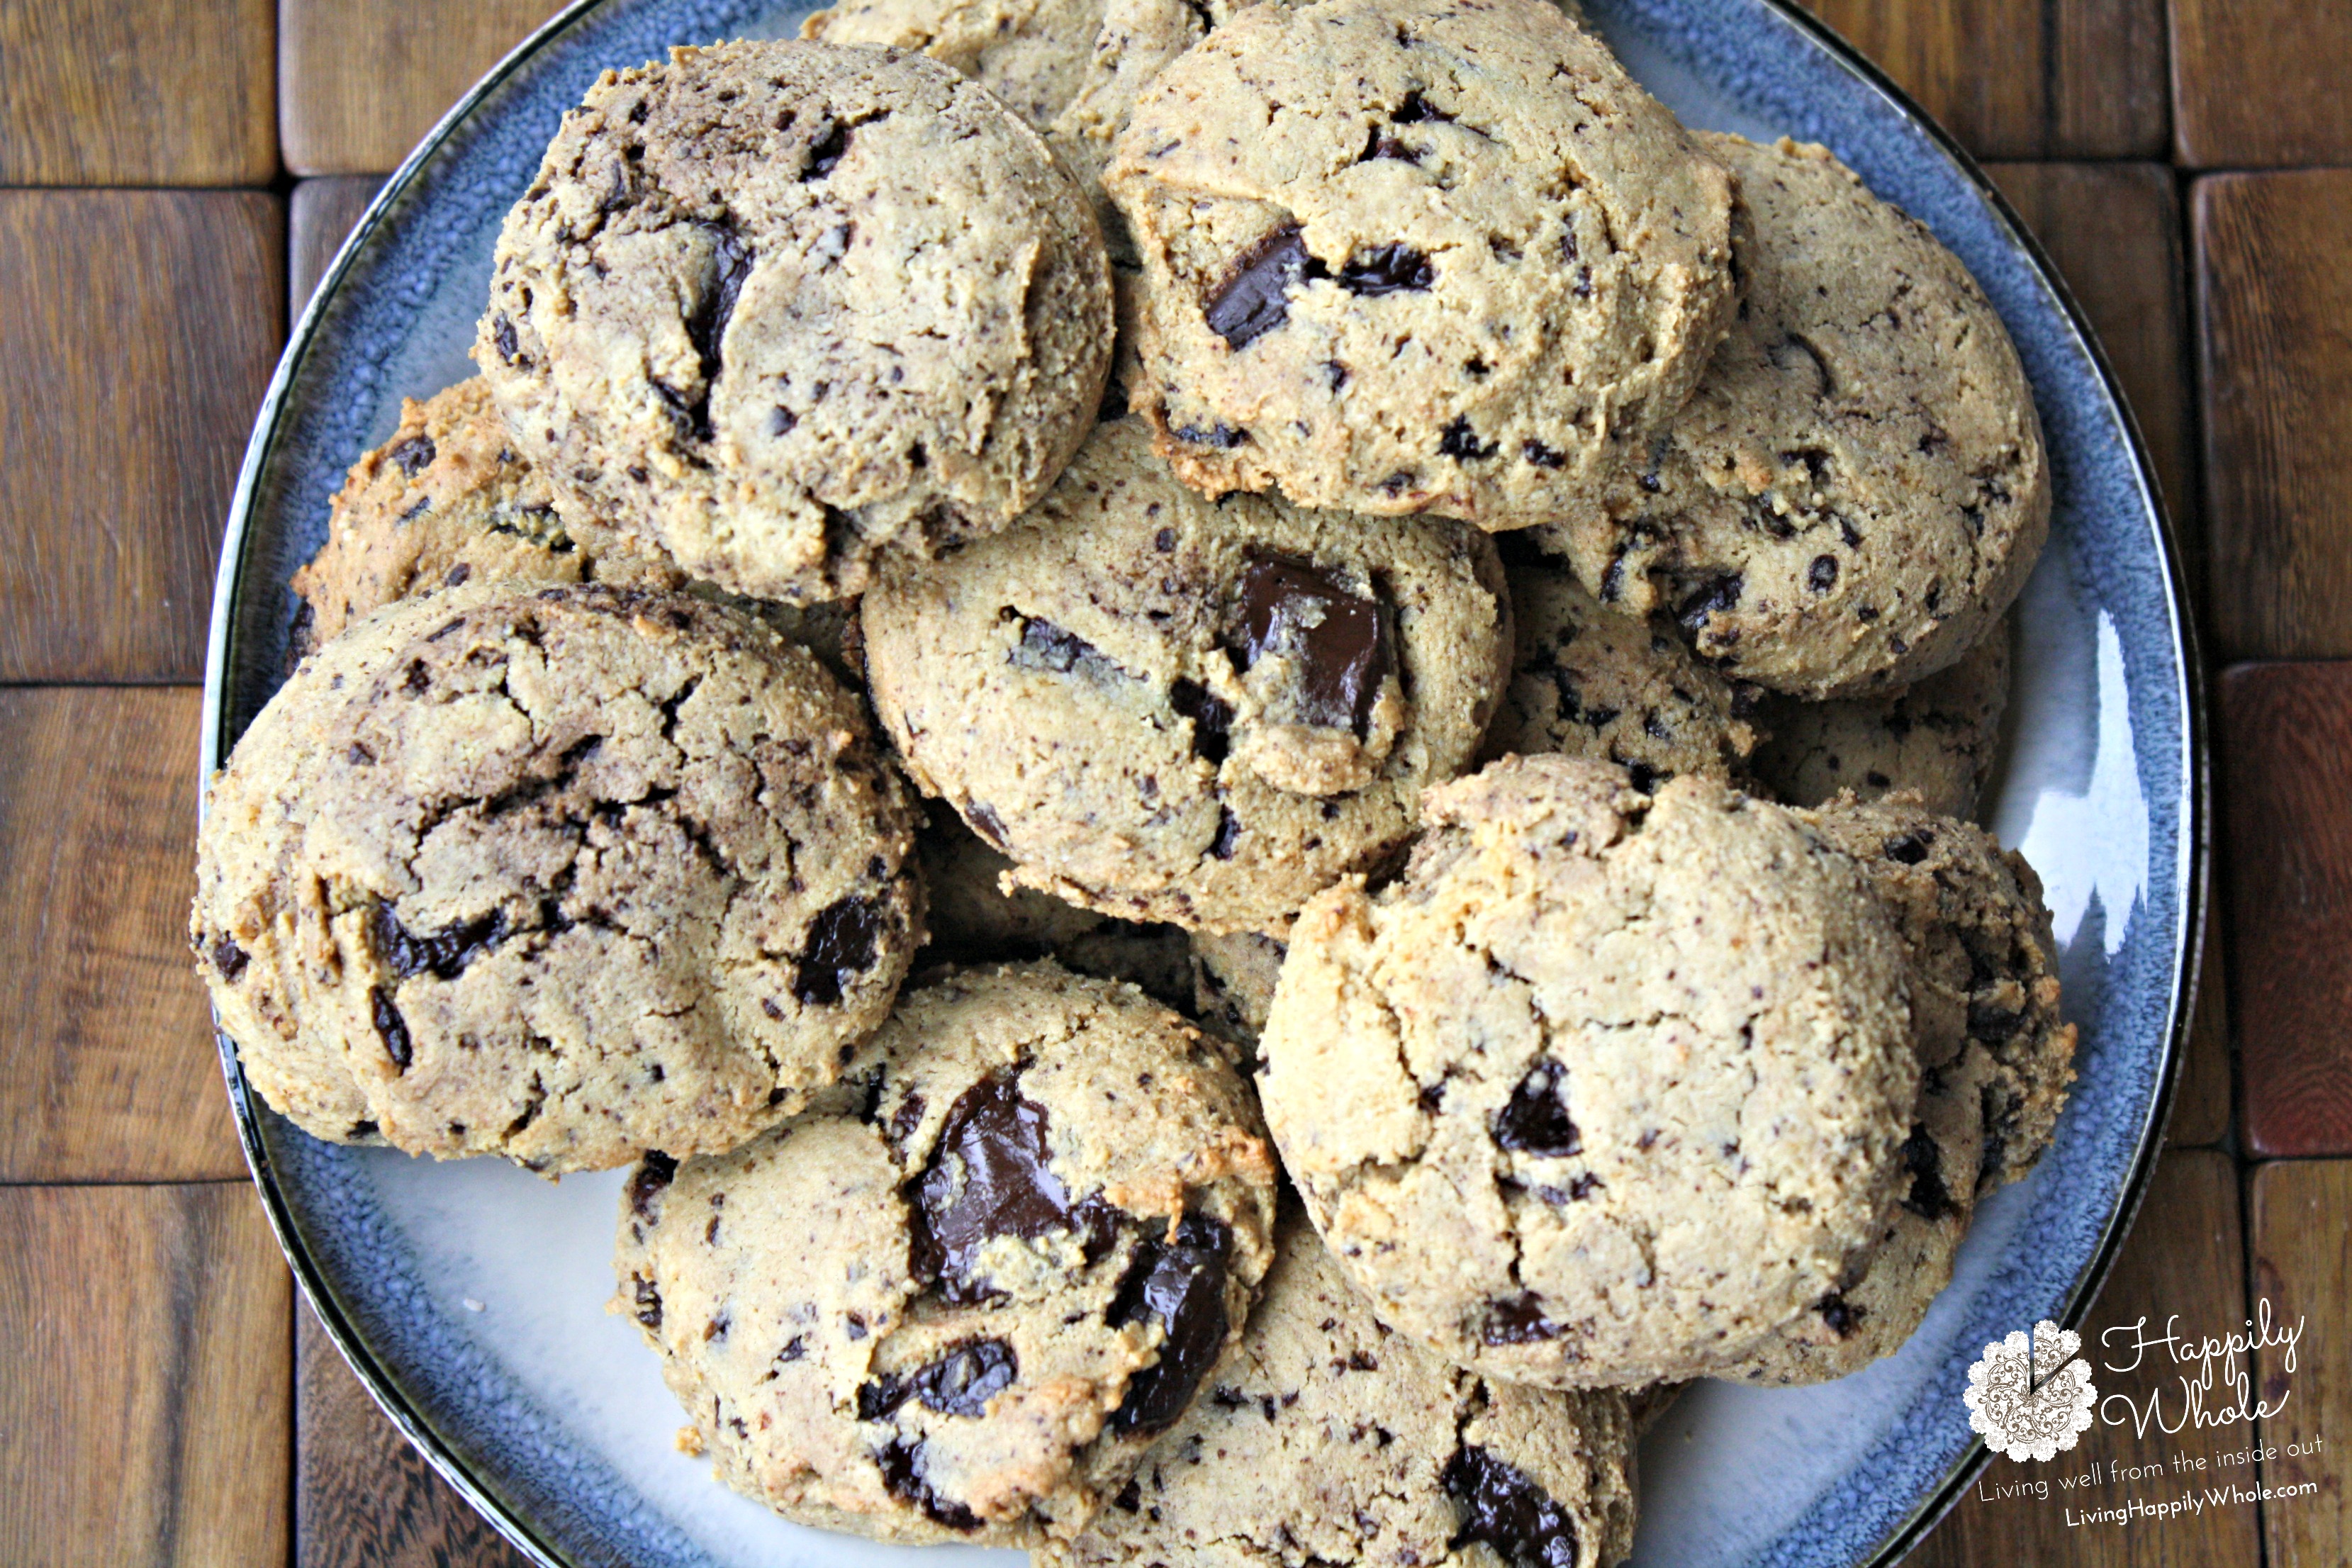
(961, 1301)
(561, 874)
(1857, 490)
(773, 309)
(1168, 709)
(1328, 1439)
(1937, 739)
(1587, 681)
(1607, 1089)
(1403, 258)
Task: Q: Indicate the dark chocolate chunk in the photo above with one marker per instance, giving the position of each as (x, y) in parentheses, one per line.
(1501, 1505)
(1224, 437)
(1229, 833)
(414, 454)
(1417, 109)
(1822, 575)
(443, 954)
(1519, 1320)
(649, 1303)
(989, 1175)
(901, 1464)
(1254, 297)
(391, 1029)
(502, 337)
(1840, 1315)
(1044, 646)
(1536, 1121)
(655, 1173)
(841, 947)
(228, 958)
(826, 155)
(1340, 641)
(1183, 1284)
(1928, 1198)
(730, 263)
(1711, 597)
(960, 1383)
(1387, 270)
(1541, 456)
(1212, 717)
(1909, 848)
(1461, 443)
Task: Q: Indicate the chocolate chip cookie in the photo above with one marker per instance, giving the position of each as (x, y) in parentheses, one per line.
(1984, 964)
(1938, 739)
(1329, 1439)
(561, 874)
(1588, 681)
(1400, 258)
(1608, 1089)
(1858, 489)
(962, 1307)
(774, 308)
(1170, 709)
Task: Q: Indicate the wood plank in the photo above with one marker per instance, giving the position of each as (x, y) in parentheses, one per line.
(2114, 231)
(2259, 83)
(141, 331)
(2274, 319)
(2284, 750)
(2023, 79)
(107, 1066)
(2185, 1255)
(363, 1497)
(146, 1416)
(162, 92)
(320, 215)
(2201, 1104)
(2296, 1214)
(361, 82)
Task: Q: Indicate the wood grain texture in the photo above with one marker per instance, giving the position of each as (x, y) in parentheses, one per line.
(2023, 79)
(2202, 1103)
(2296, 1213)
(146, 1414)
(107, 1066)
(2285, 757)
(139, 333)
(152, 93)
(361, 82)
(2259, 83)
(2186, 1256)
(2114, 231)
(2274, 318)
(320, 215)
(363, 1497)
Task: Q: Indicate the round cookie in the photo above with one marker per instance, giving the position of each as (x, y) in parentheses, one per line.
(1403, 258)
(961, 1308)
(1609, 1087)
(1937, 739)
(1857, 490)
(776, 308)
(560, 874)
(1328, 1439)
(1168, 709)
(1588, 683)
(1984, 964)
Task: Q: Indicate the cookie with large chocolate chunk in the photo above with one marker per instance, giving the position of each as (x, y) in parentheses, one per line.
(1857, 490)
(774, 309)
(561, 874)
(1329, 1439)
(1403, 258)
(1937, 739)
(1168, 709)
(1608, 1089)
(1588, 681)
(961, 1305)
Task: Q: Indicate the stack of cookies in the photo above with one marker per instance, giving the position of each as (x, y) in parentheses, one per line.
(1236, 742)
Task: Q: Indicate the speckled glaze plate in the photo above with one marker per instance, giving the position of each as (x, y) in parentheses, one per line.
(470, 1297)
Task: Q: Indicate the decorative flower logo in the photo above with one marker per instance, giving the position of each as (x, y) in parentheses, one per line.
(2020, 1415)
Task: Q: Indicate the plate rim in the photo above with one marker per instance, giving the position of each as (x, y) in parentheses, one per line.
(2192, 886)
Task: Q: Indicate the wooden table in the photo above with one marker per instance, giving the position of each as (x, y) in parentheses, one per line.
(179, 171)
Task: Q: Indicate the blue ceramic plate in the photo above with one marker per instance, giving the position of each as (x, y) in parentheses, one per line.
(470, 1297)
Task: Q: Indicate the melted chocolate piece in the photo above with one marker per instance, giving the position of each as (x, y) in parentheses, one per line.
(1229, 833)
(1711, 597)
(654, 1172)
(960, 1383)
(1340, 642)
(1501, 1505)
(228, 958)
(1044, 646)
(841, 947)
(1822, 575)
(1928, 1198)
(1536, 1120)
(1460, 442)
(1182, 1284)
(730, 263)
(414, 456)
(502, 337)
(1909, 848)
(443, 954)
(902, 1463)
(391, 1029)
(1518, 1322)
(648, 1301)
(997, 1141)
(1840, 1315)
(1254, 297)
(1387, 270)
(1417, 109)
(1212, 716)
